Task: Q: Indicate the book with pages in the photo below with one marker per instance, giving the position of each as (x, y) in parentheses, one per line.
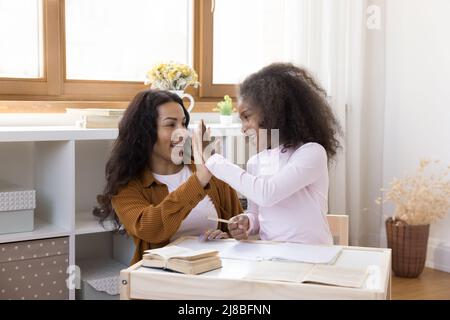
(98, 122)
(182, 260)
(308, 273)
(97, 118)
(95, 111)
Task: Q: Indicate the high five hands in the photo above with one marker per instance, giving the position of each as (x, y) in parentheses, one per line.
(202, 146)
(239, 225)
(202, 150)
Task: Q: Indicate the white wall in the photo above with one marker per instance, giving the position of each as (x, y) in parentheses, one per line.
(417, 114)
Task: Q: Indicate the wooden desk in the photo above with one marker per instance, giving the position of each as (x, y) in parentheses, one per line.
(228, 282)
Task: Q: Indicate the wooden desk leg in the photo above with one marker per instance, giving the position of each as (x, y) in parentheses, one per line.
(125, 276)
(124, 285)
(388, 293)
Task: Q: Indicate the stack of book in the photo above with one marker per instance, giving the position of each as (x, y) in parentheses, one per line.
(97, 118)
(182, 260)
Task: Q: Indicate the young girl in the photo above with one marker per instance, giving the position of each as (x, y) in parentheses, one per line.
(287, 184)
(149, 190)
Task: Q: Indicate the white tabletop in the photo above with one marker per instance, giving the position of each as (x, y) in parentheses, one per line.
(229, 282)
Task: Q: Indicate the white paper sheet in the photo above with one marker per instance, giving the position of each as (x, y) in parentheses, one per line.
(267, 251)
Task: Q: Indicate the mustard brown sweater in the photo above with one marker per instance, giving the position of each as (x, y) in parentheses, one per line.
(152, 215)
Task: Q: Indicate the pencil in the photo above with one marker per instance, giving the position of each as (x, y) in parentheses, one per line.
(218, 219)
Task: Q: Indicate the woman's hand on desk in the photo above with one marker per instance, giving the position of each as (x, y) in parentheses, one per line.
(213, 235)
(239, 226)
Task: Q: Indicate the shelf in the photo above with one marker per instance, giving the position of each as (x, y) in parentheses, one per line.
(55, 133)
(60, 133)
(85, 223)
(100, 279)
(42, 230)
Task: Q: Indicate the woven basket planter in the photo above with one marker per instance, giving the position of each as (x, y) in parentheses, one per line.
(409, 247)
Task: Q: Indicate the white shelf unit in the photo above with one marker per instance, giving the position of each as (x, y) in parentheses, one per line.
(65, 165)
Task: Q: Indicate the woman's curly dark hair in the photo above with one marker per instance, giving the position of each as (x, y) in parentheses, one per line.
(289, 99)
(132, 149)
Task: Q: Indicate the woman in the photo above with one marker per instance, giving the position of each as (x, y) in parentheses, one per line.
(286, 184)
(149, 189)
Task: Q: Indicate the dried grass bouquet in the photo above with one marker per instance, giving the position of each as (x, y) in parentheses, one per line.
(419, 199)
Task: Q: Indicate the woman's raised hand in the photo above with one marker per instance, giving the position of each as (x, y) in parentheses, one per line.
(198, 147)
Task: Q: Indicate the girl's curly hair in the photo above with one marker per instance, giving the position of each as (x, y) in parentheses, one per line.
(289, 99)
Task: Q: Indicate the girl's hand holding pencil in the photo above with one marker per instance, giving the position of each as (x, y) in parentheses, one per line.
(238, 227)
(218, 219)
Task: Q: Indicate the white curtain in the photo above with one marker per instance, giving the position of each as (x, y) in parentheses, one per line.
(365, 120)
(345, 49)
(323, 31)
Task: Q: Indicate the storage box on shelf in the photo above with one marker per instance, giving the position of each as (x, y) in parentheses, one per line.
(17, 205)
(34, 269)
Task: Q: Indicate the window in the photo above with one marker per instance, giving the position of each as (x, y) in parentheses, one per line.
(89, 50)
(261, 33)
(102, 49)
(21, 39)
(121, 40)
(241, 36)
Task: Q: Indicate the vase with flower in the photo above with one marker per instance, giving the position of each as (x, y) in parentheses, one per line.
(420, 200)
(174, 77)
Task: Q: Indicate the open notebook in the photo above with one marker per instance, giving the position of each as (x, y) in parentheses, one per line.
(261, 250)
(182, 260)
(308, 273)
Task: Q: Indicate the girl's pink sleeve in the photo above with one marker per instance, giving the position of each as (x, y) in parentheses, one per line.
(304, 167)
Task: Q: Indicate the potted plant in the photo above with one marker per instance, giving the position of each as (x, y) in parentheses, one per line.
(419, 200)
(175, 77)
(225, 107)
